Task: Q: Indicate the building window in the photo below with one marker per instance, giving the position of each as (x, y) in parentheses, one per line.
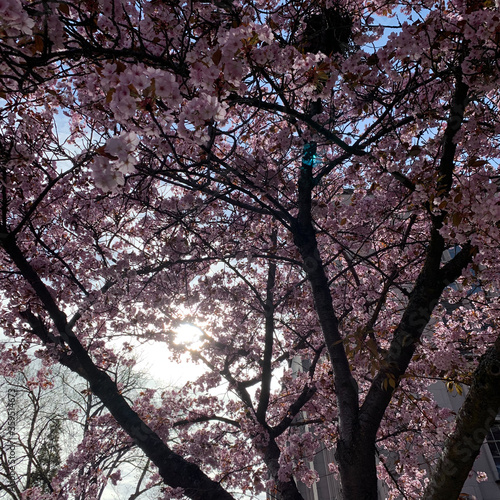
(493, 440)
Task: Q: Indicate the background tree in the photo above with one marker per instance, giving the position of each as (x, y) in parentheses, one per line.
(290, 197)
(49, 458)
(62, 441)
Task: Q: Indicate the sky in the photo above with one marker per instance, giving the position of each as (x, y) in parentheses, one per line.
(154, 360)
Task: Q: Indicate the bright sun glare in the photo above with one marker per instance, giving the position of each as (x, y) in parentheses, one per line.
(154, 357)
(188, 335)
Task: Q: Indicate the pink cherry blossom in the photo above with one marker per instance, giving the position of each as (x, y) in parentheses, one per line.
(312, 185)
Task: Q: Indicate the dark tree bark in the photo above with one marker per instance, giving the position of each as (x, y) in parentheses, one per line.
(357, 466)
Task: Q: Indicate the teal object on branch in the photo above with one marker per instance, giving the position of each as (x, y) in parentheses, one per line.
(309, 155)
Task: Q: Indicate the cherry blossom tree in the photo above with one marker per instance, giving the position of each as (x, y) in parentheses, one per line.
(313, 181)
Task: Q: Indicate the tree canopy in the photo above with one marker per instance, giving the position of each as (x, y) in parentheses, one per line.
(309, 182)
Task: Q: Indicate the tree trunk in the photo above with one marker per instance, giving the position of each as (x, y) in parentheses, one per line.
(476, 416)
(356, 459)
(357, 468)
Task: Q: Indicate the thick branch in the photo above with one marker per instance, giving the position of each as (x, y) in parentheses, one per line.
(305, 239)
(206, 418)
(429, 285)
(278, 108)
(423, 299)
(307, 393)
(268, 342)
(175, 470)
